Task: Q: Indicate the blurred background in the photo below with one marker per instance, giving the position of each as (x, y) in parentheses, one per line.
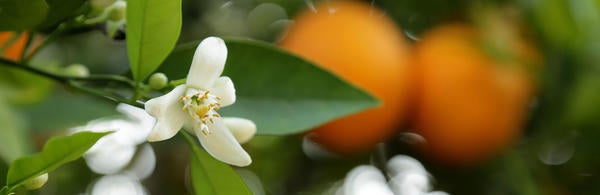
(503, 95)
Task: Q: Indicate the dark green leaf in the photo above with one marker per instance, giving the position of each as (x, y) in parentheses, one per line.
(21, 14)
(61, 10)
(57, 151)
(153, 28)
(281, 93)
(211, 176)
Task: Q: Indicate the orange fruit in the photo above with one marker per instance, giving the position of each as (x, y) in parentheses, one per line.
(357, 42)
(470, 104)
(16, 48)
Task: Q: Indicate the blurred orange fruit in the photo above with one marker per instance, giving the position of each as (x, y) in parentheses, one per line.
(470, 104)
(16, 48)
(357, 42)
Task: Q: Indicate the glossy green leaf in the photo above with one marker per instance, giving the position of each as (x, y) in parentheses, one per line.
(211, 176)
(153, 28)
(281, 93)
(21, 14)
(57, 151)
(13, 139)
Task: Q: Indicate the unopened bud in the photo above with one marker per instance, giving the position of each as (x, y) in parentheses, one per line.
(77, 70)
(118, 11)
(158, 81)
(37, 182)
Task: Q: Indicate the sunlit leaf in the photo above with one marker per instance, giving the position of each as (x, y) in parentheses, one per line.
(281, 93)
(56, 152)
(21, 14)
(211, 176)
(153, 28)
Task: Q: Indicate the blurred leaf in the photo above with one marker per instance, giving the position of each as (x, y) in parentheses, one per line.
(60, 10)
(584, 102)
(56, 152)
(211, 176)
(74, 110)
(13, 139)
(281, 93)
(21, 14)
(22, 87)
(153, 28)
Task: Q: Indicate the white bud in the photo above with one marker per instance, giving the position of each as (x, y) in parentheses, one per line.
(77, 70)
(118, 11)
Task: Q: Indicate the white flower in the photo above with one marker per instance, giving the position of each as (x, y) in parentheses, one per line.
(408, 177)
(113, 152)
(195, 104)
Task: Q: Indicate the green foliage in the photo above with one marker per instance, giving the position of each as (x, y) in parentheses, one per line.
(281, 93)
(211, 176)
(13, 137)
(22, 14)
(153, 28)
(56, 152)
(61, 10)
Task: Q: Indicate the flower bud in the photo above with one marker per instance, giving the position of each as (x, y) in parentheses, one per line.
(118, 11)
(158, 81)
(77, 70)
(37, 182)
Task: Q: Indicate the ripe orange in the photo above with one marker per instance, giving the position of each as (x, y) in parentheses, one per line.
(14, 50)
(471, 105)
(360, 44)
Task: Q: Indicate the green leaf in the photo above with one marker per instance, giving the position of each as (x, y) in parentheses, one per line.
(211, 176)
(61, 10)
(21, 14)
(153, 28)
(281, 93)
(56, 152)
(13, 139)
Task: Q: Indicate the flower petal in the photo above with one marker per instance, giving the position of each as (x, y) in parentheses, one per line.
(169, 114)
(142, 165)
(364, 180)
(207, 64)
(242, 129)
(221, 144)
(110, 158)
(224, 89)
(118, 184)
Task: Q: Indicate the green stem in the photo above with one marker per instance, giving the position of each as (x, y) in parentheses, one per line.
(49, 39)
(73, 82)
(27, 48)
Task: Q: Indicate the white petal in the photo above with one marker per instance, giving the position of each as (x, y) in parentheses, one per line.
(221, 144)
(224, 89)
(242, 129)
(169, 114)
(365, 180)
(208, 63)
(142, 165)
(118, 185)
(110, 158)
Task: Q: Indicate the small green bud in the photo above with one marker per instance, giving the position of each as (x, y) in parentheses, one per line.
(118, 11)
(158, 81)
(77, 70)
(37, 182)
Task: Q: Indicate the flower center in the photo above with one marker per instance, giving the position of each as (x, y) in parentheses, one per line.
(202, 108)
